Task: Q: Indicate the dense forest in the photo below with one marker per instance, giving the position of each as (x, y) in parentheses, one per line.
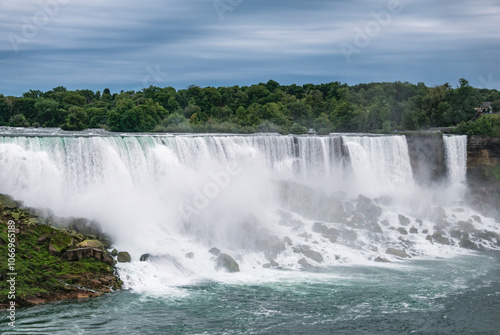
(266, 107)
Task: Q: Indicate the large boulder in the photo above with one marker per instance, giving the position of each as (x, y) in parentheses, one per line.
(124, 257)
(78, 254)
(226, 263)
(468, 244)
(314, 255)
(403, 220)
(397, 253)
(330, 233)
(368, 208)
(440, 238)
(91, 244)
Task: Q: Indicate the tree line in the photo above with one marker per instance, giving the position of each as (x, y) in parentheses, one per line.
(264, 107)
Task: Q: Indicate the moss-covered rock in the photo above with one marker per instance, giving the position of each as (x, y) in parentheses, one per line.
(7, 201)
(43, 274)
(61, 241)
(91, 244)
(124, 257)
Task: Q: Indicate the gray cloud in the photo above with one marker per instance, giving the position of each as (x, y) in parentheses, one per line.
(116, 44)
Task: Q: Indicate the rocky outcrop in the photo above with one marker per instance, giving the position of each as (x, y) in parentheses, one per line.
(366, 206)
(427, 157)
(123, 257)
(226, 263)
(311, 254)
(49, 251)
(483, 174)
(397, 253)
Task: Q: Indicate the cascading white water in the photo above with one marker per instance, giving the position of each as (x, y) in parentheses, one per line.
(456, 158)
(170, 195)
(381, 164)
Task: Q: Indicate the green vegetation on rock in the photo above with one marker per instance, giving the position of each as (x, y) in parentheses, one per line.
(43, 273)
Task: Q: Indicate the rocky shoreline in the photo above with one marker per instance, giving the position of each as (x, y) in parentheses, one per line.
(54, 258)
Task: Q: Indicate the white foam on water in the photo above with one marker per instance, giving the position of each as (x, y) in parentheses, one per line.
(173, 195)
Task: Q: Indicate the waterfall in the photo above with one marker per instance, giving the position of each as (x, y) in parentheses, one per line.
(175, 194)
(456, 158)
(380, 163)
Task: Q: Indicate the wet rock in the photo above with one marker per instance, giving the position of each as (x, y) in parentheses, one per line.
(330, 233)
(476, 218)
(403, 220)
(413, 230)
(468, 244)
(425, 231)
(458, 210)
(114, 252)
(375, 227)
(381, 260)
(226, 263)
(385, 223)
(95, 283)
(214, 251)
(368, 208)
(108, 259)
(287, 240)
(440, 239)
(124, 257)
(303, 263)
(486, 235)
(143, 258)
(78, 254)
(104, 281)
(456, 233)
(91, 244)
(189, 255)
(315, 256)
(397, 253)
(402, 231)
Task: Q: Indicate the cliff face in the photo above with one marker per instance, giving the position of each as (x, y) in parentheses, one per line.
(483, 173)
(427, 157)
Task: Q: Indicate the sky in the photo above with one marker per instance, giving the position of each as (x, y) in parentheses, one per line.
(129, 45)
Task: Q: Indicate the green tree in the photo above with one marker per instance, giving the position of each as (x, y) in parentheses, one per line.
(77, 119)
(18, 120)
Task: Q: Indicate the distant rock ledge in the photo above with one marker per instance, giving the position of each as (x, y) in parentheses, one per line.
(55, 258)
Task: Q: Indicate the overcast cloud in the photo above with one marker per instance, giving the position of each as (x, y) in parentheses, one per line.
(124, 44)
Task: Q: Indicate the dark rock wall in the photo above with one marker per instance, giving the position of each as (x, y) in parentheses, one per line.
(483, 174)
(427, 157)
